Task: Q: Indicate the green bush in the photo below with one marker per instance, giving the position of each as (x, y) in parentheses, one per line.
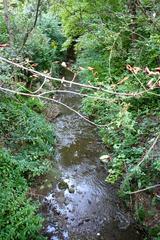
(18, 218)
(30, 137)
(3, 31)
(26, 141)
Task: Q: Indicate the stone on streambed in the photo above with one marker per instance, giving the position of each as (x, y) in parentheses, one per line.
(55, 238)
(52, 111)
(105, 158)
(63, 185)
(51, 229)
(71, 190)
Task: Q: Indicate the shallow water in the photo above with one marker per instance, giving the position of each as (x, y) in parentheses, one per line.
(80, 204)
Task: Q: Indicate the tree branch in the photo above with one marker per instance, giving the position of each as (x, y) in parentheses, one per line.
(144, 189)
(103, 90)
(31, 29)
(149, 151)
(52, 100)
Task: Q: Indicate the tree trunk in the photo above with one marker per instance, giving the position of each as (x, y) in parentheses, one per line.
(133, 11)
(7, 21)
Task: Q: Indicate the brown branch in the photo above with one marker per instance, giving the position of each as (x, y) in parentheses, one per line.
(34, 25)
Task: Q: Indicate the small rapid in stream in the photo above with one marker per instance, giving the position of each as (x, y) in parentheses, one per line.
(79, 204)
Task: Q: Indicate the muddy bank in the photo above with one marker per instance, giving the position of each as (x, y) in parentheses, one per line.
(79, 204)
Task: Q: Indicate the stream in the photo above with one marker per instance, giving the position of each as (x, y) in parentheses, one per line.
(78, 204)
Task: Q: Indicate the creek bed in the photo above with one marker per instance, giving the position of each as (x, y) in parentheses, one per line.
(79, 204)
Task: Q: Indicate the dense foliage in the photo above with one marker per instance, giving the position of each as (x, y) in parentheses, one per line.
(26, 148)
(17, 216)
(26, 138)
(117, 47)
(26, 134)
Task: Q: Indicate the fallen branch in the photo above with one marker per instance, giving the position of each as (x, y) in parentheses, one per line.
(119, 94)
(55, 101)
(148, 152)
(129, 174)
(142, 190)
(76, 93)
(40, 88)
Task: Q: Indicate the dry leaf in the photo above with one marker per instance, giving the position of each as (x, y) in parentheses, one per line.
(134, 70)
(150, 73)
(157, 69)
(34, 65)
(35, 76)
(63, 64)
(151, 84)
(81, 68)
(4, 45)
(123, 80)
(90, 68)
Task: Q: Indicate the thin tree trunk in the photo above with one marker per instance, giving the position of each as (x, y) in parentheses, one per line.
(133, 11)
(7, 20)
(34, 25)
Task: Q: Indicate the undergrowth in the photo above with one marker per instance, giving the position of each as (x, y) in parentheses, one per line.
(27, 142)
(114, 58)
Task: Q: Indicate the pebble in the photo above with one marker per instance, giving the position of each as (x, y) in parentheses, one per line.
(71, 190)
(87, 219)
(79, 192)
(50, 229)
(54, 238)
(65, 235)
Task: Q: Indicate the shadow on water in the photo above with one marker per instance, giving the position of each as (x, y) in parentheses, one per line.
(80, 205)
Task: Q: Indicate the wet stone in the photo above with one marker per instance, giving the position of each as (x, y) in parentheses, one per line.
(65, 235)
(71, 190)
(87, 219)
(55, 238)
(63, 185)
(79, 192)
(50, 229)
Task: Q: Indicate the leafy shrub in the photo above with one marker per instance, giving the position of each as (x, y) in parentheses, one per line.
(27, 142)
(30, 137)
(44, 42)
(18, 217)
(3, 31)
